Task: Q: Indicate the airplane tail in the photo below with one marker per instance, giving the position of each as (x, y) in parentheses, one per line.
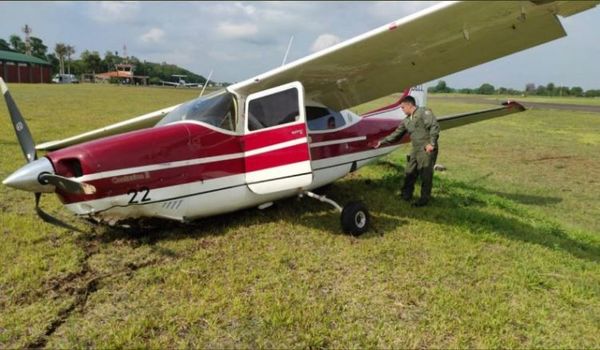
(393, 111)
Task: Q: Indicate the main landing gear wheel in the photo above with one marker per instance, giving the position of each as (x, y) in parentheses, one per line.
(355, 218)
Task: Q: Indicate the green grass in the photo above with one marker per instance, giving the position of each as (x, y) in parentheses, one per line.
(591, 101)
(507, 255)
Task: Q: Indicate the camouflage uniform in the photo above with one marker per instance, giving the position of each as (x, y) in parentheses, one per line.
(423, 128)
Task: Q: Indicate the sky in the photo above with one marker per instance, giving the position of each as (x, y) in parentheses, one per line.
(238, 40)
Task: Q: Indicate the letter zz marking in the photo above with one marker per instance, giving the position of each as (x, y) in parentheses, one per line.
(133, 193)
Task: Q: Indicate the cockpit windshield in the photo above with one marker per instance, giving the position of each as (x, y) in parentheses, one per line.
(217, 109)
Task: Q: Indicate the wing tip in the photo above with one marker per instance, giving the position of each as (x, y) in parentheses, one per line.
(3, 86)
(514, 104)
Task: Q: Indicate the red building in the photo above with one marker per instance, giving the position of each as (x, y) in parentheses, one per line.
(19, 68)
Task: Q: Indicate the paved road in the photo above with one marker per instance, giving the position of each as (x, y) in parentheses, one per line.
(528, 105)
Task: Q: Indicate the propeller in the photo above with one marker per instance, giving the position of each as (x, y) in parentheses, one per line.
(28, 147)
(66, 184)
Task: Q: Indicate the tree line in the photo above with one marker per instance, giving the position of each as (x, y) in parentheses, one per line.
(91, 62)
(531, 89)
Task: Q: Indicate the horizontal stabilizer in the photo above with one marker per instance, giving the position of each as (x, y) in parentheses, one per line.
(452, 121)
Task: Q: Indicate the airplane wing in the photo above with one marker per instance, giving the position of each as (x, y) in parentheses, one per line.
(427, 45)
(143, 121)
(452, 121)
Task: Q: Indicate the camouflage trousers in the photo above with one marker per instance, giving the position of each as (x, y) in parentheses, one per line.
(419, 165)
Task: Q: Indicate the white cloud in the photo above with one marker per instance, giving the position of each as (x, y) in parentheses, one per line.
(324, 41)
(236, 30)
(247, 9)
(114, 11)
(154, 35)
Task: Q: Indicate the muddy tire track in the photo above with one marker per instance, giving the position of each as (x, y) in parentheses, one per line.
(81, 285)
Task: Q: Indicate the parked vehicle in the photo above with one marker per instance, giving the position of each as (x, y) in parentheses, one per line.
(65, 79)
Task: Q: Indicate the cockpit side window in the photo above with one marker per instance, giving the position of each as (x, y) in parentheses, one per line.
(321, 118)
(271, 110)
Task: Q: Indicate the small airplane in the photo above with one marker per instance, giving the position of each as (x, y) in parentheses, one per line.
(180, 81)
(282, 133)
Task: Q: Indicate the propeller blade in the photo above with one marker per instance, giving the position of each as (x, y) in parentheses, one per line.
(19, 124)
(51, 219)
(66, 184)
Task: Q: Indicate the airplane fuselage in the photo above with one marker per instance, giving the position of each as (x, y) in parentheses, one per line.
(190, 169)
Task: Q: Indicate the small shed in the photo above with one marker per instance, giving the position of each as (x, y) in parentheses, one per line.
(16, 67)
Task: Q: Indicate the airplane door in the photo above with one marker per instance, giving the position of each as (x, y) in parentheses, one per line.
(277, 155)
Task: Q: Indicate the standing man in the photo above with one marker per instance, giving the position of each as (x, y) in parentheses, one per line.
(424, 130)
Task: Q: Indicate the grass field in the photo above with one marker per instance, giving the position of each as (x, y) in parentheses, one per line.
(507, 255)
(590, 101)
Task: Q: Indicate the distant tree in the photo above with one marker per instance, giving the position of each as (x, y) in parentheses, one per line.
(550, 89)
(69, 51)
(486, 89)
(577, 91)
(466, 91)
(4, 45)
(61, 51)
(592, 93)
(154, 81)
(54, 62)
(110, 60)
(441, 87)
(92, 61)
(502, 91)
(562, 91)
(16, 43)
(78, 67)
(530, 89)
(38, 49)
(541, 90)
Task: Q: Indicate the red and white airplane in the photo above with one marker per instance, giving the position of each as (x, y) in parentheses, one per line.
(282, 133)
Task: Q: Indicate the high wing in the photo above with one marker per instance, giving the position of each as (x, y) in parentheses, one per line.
(452, 121)
(430, 44)
(143, 121)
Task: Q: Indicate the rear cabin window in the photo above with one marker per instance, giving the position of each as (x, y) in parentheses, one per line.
(320, 118)
(277, 109)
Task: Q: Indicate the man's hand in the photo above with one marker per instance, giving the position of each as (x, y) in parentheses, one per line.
(376, 144)
(429, 148)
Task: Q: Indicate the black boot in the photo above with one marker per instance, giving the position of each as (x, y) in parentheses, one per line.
(406, 196)
(421, 202)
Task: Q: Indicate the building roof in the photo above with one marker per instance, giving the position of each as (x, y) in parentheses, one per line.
(115, 74)
(12, 56)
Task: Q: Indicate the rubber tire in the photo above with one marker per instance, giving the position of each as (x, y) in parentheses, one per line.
(355, 218)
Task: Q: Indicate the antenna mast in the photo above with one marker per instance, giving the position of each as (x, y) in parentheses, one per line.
(288, 50)
(27, 30)
(206, 83)
(125, 54)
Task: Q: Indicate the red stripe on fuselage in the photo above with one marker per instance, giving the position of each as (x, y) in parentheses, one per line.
(268, 137)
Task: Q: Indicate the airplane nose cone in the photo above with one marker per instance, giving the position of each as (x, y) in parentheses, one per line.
(26, 178)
